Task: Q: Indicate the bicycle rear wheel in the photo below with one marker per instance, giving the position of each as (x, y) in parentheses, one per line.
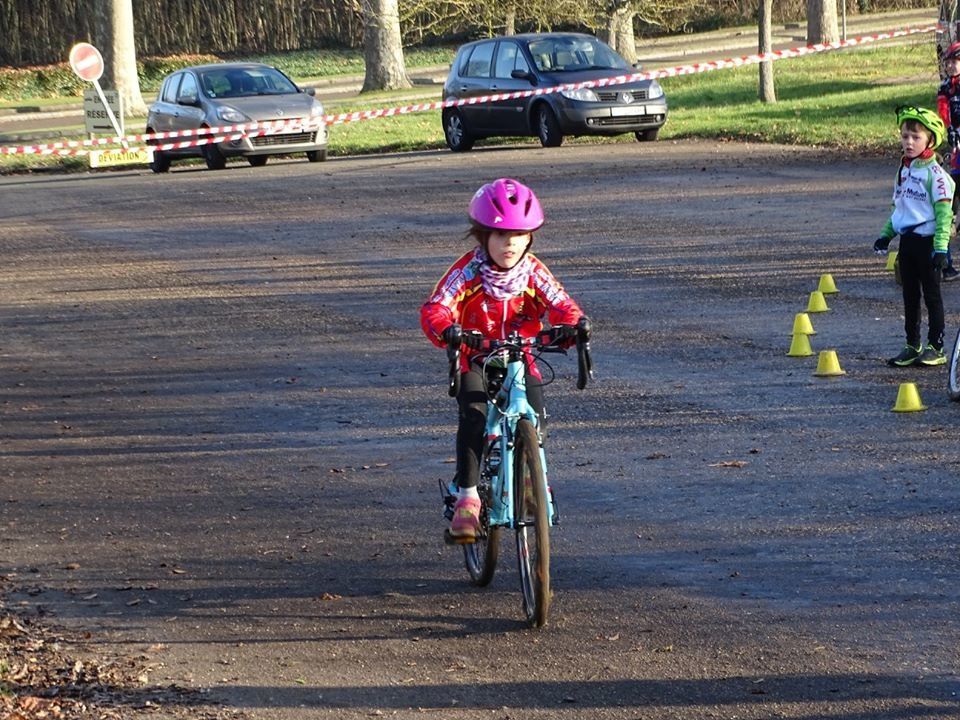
(532, 527)
(953, 378)
(481, 556)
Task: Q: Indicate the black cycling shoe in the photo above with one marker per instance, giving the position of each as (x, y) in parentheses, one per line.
(932, 356)
(907, 357)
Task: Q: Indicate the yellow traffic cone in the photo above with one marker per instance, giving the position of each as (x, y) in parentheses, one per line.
(828, 365)
(908, 399)
(802, 325)
(827, 286)
(800, 346)
(817, 303)
(891, 260)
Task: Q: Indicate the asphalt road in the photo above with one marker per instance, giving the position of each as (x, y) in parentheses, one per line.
(221, 434)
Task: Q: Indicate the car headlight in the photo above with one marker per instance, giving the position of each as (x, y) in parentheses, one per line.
(655, 90)
(229, 115)
(316, 109)
(581, 94)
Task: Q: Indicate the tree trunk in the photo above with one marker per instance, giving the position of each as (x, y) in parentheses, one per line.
(609, 33)
(822, 21)
(626, 44)
(768, 93)
(382, 47)
(113, 29)
(510, 20)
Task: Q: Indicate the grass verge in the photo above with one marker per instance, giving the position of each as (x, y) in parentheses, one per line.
(842, 99)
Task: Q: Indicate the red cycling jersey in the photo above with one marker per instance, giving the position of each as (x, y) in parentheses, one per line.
(459, 297)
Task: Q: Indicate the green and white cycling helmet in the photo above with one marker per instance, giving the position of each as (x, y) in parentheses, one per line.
(928, 118)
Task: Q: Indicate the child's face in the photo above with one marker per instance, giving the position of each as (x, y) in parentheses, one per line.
(913, 142)
(506, 249)
(952, 66)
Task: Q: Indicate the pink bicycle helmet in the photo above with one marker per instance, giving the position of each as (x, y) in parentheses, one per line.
(506, 204)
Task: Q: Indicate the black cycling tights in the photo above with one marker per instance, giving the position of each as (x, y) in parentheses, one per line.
(473, 422)
(920, 279)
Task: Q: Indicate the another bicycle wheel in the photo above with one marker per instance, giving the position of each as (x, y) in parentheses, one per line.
(533, 529)
(953, 379)
(481, 556)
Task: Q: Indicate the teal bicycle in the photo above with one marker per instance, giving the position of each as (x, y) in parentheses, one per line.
(513, 486)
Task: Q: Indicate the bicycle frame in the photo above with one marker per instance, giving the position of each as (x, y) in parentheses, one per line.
(507, 407)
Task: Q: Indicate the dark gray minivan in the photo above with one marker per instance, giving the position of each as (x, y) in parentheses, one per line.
(543, 60)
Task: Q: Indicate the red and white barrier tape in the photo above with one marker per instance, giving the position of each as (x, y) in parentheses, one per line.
(233, 132)
(229, 133)
(621, 79)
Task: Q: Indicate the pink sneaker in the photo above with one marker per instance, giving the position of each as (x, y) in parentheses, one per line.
(466, 519)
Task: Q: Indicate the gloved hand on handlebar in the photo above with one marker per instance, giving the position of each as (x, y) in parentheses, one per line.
(583, 328)
(473, 339)
(452, 335)
(565, 335)
(881, 245)
(563, 332)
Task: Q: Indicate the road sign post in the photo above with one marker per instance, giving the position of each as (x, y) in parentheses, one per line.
(87, 62)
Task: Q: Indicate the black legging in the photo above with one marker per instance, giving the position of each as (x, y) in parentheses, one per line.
(473, 422)
(919, 276)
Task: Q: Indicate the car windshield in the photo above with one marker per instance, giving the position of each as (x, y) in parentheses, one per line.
(233, 82)
(574, 54)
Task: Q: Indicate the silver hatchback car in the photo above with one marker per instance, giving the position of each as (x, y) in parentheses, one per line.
(537, 61)
(233, 94)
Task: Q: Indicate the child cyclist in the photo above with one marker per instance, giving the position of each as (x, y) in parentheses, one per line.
(494, 289)
(948, 107)
(922, 217)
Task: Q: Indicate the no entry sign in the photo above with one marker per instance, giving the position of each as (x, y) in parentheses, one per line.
(86, 61)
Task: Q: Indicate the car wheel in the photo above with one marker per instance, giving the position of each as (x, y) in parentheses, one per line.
(161, 161)
(548, 129)
(213, 157)
(456, 133)
(317, 155)
(647, 135)
(257, 160)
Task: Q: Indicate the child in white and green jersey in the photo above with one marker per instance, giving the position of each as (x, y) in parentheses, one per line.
(922, 217)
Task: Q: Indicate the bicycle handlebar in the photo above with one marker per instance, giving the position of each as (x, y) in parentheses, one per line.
(454, 336)
(584, 360)
(544, 342)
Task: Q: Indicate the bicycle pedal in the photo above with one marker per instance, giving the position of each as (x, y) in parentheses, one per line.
(455, 540)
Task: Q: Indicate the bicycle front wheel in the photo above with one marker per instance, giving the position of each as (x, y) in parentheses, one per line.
(953, 379)
(532, 527)
(481, 556)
